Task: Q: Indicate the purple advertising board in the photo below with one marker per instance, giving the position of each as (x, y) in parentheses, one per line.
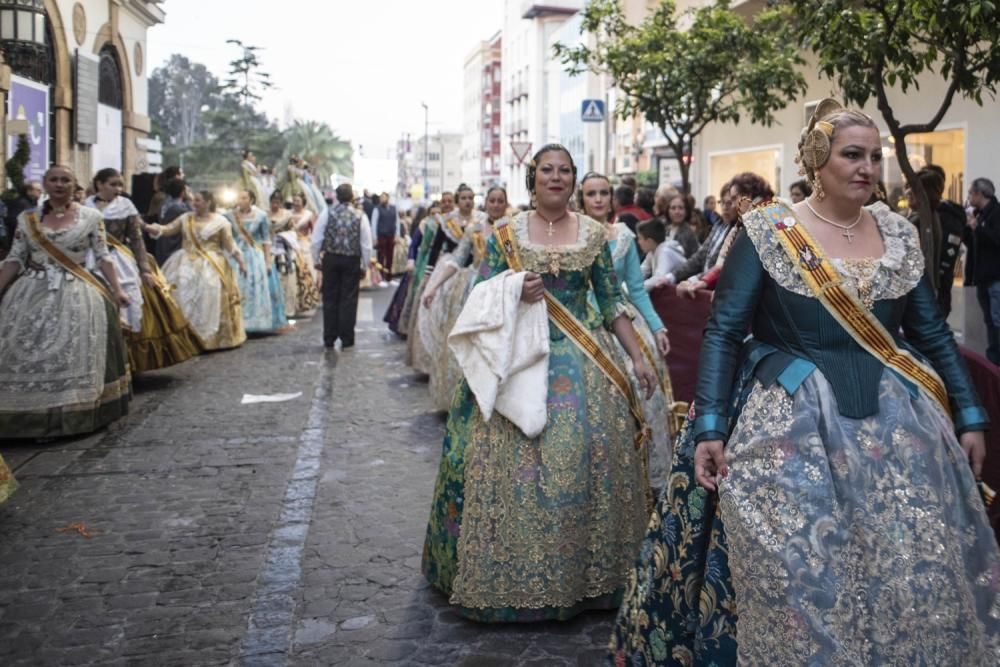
(29, 101)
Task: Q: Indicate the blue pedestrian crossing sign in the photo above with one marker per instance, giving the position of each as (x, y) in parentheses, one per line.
(592, 111)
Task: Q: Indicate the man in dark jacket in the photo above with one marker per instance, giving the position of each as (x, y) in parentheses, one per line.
(986, 227)
(952, 218)
(385, 225)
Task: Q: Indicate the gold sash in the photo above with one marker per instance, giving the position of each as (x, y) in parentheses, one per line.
(243, 232)
(827, 286)
(576, 332)
(234, 292)
(455, 229)
(55, 253)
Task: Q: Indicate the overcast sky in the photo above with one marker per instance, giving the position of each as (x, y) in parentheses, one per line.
(363, 67)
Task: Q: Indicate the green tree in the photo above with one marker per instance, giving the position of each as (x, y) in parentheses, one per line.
(320, 146)
(869, 47)
(246, 77)
(683, 79)
(179, 93)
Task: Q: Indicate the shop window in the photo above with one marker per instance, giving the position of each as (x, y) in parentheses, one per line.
(945, 148)
(765, 162)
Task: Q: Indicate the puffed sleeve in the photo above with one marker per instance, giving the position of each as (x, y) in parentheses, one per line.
(98, 238)
(926, 330)
(227, 242)
(262, 230)
(606, 286)
(636, 289)
(736, 300)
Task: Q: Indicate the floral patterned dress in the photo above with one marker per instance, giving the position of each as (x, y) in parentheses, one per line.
(839, 540)
(531, 529)
(467, 257)
(206, 285)
(163, 336)
(63, 363)
(263, 299)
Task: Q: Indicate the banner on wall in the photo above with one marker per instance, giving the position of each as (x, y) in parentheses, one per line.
(29, 101)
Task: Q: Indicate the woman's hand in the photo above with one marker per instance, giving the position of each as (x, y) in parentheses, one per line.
(148, 280)
(243, 266)
(123, 299)
(533, 290)
(689, 288)
(974, 445)
(429, 297)
(662, 342)
(646, 377)
(710, 464)
(410, 264)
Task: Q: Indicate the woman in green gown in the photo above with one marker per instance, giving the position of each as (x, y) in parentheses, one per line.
(527, 529)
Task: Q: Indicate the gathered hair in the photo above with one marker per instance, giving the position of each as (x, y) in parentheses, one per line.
(105, 175)
(532, 171)
(586, 177)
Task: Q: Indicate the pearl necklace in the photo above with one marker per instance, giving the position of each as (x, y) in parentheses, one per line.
(846, 228)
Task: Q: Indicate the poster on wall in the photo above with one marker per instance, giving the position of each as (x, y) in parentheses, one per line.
(107, 152)
(29, 101)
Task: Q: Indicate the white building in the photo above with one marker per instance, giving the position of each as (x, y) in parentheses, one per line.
(529, 26)
(568, 96)
(444, 165)
(481, 115)
(75, 73)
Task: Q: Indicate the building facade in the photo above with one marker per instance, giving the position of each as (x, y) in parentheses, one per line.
(444, 165)
(481, 115)
(73, 80)
(527, 37)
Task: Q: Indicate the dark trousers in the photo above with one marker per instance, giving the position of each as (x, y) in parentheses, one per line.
(341, 277)
(385, 245)
(989, 300)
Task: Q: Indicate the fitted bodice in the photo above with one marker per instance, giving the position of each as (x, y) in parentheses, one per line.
(85, 234)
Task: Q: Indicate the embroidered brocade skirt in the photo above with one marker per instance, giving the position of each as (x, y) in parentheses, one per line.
(532, 529)
(393, 314)
(165, 338)
(655, 409)
(63, 363)
(435, 324)
(255, 291)
(848, 542)
(418, 356)
(210, 303)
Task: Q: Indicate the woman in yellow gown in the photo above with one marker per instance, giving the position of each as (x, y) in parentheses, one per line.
(206, 287)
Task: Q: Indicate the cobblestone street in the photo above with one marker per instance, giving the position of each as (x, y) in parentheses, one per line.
(202, 531)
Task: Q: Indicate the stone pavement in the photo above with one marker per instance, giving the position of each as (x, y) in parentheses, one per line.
(199, 531)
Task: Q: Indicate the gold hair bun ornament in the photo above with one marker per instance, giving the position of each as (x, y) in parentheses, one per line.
(814, 147)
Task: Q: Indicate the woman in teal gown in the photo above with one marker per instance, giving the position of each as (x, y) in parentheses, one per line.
(837, 510)
(528, 529)
(595, 201)
(263, 298)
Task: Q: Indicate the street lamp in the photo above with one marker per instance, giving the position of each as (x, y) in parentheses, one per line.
(426, 131)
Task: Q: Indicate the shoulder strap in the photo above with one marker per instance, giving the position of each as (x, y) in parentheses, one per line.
(825, 282)
(53, 251)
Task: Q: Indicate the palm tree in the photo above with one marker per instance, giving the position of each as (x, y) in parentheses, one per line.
(320, 146)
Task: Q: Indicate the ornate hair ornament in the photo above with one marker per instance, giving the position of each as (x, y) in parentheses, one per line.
(814, 146)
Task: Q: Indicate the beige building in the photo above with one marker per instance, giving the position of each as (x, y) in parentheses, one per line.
(74, 75)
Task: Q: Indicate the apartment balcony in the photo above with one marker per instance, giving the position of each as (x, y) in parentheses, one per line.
(531, 9)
